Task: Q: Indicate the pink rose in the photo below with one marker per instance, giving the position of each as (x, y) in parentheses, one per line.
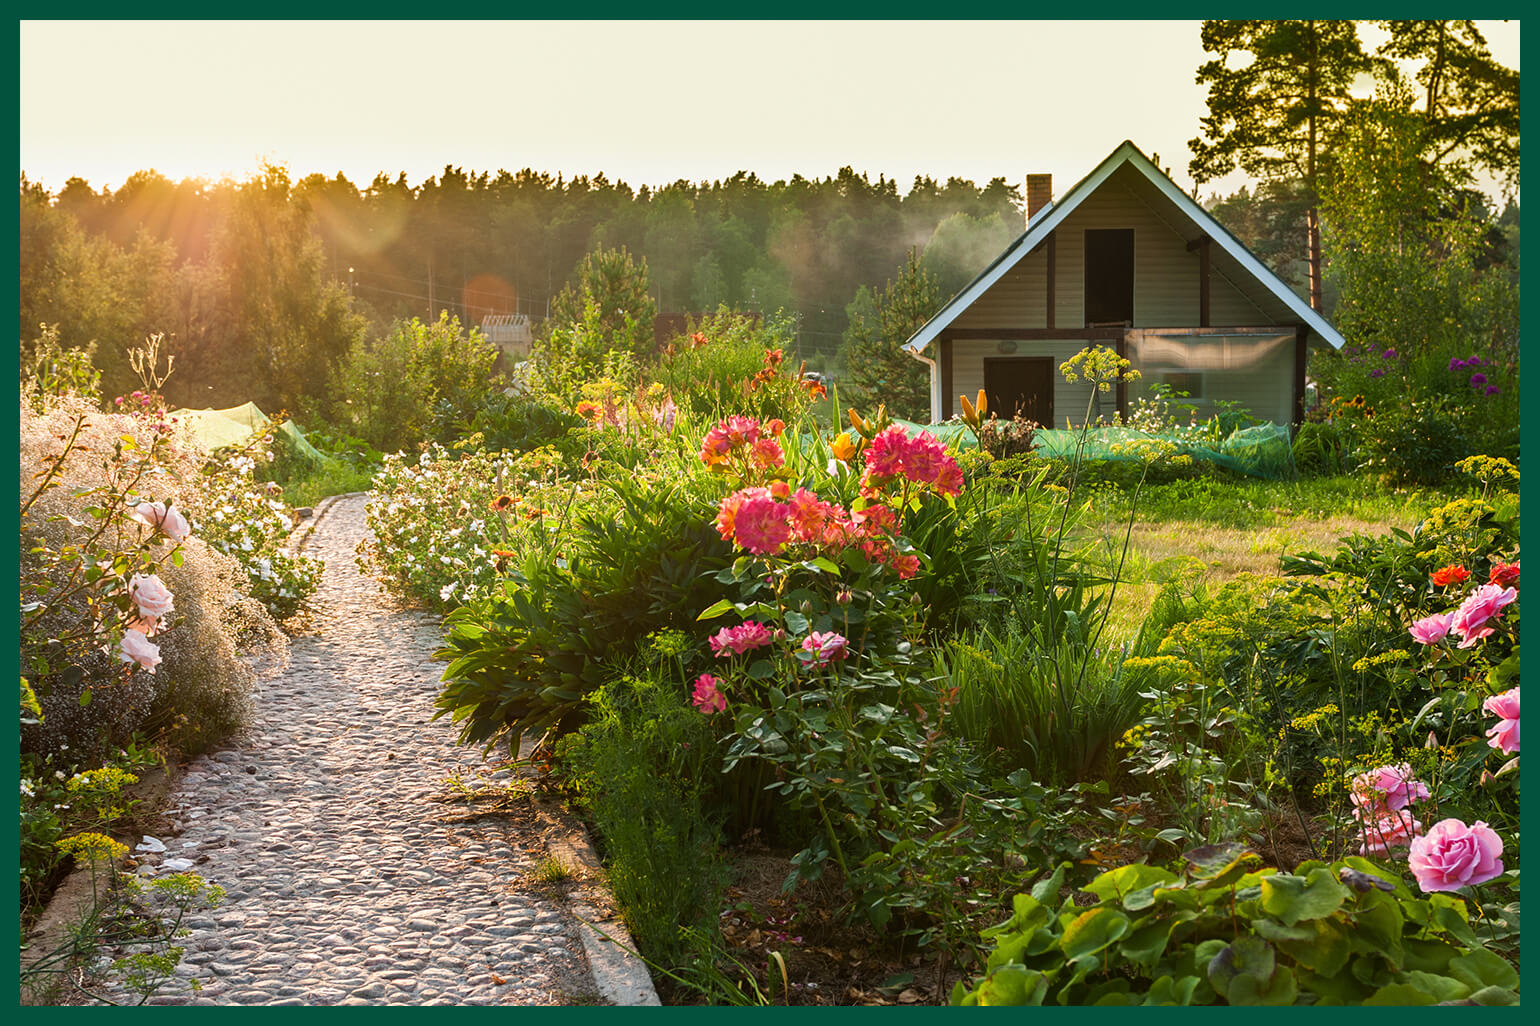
(824, 648)
(1430, 630)
(1452, 855)
(171, 522)
(761, 525)
(151, 596)
(136, 648)
(1504, 734)
(1393, 830)
(1484, 603)
(708, 698)
(1388, 788)
(737, 640)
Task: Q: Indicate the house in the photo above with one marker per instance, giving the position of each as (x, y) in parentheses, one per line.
(1123, 259)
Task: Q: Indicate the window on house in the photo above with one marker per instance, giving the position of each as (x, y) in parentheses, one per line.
(1109, 275)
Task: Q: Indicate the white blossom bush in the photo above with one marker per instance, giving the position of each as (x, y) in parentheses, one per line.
(448, 527)
(247, 520)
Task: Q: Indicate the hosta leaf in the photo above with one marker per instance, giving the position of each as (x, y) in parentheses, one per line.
(1093, 930)
(1292, 898)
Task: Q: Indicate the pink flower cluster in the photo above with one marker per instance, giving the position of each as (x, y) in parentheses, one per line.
(1472, 621)
(1452, 855)
(747, 636)
(1380, 799)
(1504, 734)
(743, 437)
(758, 520)
(708, 697)
(921, 459)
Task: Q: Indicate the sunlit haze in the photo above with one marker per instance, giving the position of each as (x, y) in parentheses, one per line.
(642, 102)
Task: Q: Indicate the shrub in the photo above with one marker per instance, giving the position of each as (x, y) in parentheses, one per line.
(1226, 932)
(414, 383)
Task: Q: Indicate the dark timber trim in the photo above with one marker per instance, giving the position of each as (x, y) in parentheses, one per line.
(945, 355)
(1070, 334)
(1122, 348)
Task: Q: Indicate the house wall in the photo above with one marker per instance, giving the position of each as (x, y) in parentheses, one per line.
(1166, 294)
(1165, 275)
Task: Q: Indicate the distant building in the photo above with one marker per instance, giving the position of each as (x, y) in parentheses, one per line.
(509, 332)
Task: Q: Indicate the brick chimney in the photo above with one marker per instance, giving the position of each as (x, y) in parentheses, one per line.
(1039, 193)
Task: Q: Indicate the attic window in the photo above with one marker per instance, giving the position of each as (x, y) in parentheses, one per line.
(1109, 275)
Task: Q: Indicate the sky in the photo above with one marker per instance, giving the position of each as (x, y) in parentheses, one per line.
(646, 102)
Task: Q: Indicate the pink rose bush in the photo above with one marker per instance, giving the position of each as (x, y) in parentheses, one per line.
(136, 648)
(151, 596)
(1380, 799)
(920, 460)
(1504, 734)
(1452, 855)
(1430, 630)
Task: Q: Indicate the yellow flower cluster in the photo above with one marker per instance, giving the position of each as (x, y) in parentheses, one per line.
(1133, 737)
(1488, 469)
(1312, 720)
(1161, 662)
(1394, 655)
(1100, 366)
(91, 846)
(1461, 514)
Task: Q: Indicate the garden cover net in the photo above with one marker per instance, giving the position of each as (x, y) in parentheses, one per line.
(1263, 450)
(215, 429)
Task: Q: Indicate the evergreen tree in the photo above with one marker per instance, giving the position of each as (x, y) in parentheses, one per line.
(878, 369)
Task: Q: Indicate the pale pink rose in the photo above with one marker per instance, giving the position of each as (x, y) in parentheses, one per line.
(1504, 734)
(1470, 620)
(151, 596)
(149, 626)
(170, 521)
(1392, 830)
(824, 648)
(1388, 788)
(1430, 630)
(1452, 855)
(136, 648)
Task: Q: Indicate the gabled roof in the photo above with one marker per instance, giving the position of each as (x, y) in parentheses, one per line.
(1052, 215)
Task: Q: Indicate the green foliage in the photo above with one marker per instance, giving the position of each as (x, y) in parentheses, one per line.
(878, 369)
(644, 767)
(522, 657)
(52, 370)
(414, 383)
(1225, 932)
(728, 364)
(608, 310)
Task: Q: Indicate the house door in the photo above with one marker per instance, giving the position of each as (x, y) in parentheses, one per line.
(1020, 386)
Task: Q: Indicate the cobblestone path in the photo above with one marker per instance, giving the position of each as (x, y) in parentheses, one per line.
(346, 884)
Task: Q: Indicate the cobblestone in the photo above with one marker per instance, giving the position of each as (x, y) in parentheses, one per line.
(345, 884)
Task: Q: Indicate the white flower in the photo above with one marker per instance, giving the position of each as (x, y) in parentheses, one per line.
(58, 774)
(26, 788)
(446, 591)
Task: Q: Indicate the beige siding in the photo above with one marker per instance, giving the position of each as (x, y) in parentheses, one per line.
(1165, 275)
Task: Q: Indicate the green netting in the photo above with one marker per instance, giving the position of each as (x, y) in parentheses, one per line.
(215, 429)
(1263, 450)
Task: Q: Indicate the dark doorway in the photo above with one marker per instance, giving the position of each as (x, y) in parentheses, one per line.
(1020, 386)
(1109, 275)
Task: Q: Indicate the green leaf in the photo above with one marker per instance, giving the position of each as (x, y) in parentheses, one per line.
(176, 558)
(905, 754)
(1291, 898)
(1481, 968)
(1166, 991)
(715, 610)
(1441, 988)
(1400, 994)
(825, 564)
(1147, 942)
(1093, 930)
(796, 623)
(1013, 985)
(1122, 882)
(85, 698)
(1494, 996)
